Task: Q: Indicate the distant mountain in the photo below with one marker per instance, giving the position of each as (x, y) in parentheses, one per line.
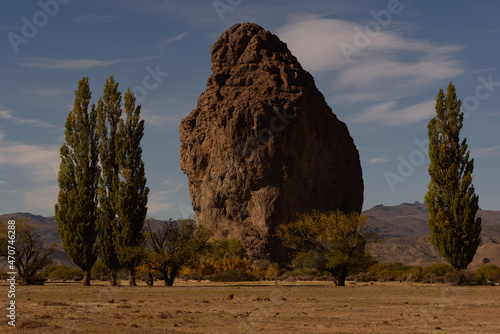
(406, 235)
(47, 227)
(403, 228)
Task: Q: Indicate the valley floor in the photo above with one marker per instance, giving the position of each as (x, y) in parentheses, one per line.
(256, 307)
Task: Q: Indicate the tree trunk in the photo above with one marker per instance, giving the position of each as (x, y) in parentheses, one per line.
(164, 275)
(131, 277)
(150, 280)
(112, 281)
(340, 276)
(171, 279)
(86, 277)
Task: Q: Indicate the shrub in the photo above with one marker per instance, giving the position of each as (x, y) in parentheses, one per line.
(233, 276)
(462, 278)
(100, 271)
(223, 255)
(62, 272)
(488, 272)
(396, 271)
(439, 269)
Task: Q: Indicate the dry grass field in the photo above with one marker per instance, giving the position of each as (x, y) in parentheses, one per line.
(262, 307)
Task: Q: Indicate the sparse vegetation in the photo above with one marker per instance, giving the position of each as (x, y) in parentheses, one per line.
(488, 272)
(62, 272)
(239, 275)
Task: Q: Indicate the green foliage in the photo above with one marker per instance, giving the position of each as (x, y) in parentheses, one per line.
(76, 210)
(100, 271)
(133, 194)
(328, 241)
(62, 272)
(223, 255)
(109, 113)
(439, 269)
(489, 272)
(396, 271)
(239, 275)
(172, 245)
(451, 201)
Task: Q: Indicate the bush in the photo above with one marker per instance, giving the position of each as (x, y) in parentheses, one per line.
(223, 255)
(233, 276)
(432, 278)
(62, 272)
(440, 269)
(100, 271)
(488, 272)
(396, 271)
(462, 278)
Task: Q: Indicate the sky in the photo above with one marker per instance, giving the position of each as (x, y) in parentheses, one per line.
(379, 64)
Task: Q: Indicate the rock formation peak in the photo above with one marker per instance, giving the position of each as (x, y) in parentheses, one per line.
(262, 144)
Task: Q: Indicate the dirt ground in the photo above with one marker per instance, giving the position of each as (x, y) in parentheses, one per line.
(262, 307)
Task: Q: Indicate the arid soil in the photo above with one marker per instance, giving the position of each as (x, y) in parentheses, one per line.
(262, 307)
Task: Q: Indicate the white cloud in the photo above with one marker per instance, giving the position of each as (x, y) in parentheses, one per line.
(168, 201)
(380, 160)
(9, 115)
(155, 120)
(32, 182)
(36, 160)
(387, 113)
(485, 152)
(42, 198)
(172, 39)
(68, 64)
(386, 68)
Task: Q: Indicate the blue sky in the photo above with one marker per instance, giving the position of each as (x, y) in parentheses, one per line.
(379, 64)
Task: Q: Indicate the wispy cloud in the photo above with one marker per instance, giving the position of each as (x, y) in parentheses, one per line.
(387, 68)
(32, 179)
(387, 113)
(168, 200)
(93, 19)
(172, 39)
(156, 120)
(9, 115)
(380, 160)
(485, 152)
(68, 64)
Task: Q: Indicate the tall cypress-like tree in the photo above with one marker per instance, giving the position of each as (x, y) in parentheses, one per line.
(76, 210)
(133, 195)
(109, 113)
(451, 201)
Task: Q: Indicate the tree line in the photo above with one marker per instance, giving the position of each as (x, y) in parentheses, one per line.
(101, 209)
(102, 202)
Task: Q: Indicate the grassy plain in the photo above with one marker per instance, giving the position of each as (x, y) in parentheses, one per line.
(256, 307)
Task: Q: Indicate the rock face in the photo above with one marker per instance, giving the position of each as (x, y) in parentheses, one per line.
(262, 144)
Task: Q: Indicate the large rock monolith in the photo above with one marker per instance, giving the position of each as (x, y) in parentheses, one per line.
(262, 144)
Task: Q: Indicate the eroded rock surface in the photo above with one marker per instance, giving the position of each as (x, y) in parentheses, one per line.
(262, 144)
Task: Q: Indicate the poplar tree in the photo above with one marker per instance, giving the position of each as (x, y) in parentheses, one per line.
(133, 193)
(451, 201)
(109, 113)
(76, 210)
